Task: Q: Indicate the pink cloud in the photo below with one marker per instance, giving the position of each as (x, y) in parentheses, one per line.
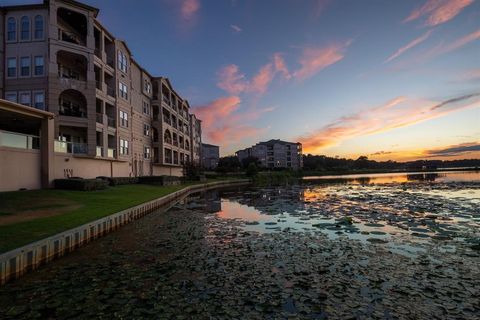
(231, 80)
(314, 60)
(189, 8)
(261, 81)
(280, 65)
(224, 122)
(459, 42)
(397, 113)
(409, 46)
(438, 11)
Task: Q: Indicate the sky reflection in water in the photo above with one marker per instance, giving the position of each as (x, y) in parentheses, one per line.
(405, 216)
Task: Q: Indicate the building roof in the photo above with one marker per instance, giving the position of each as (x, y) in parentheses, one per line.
(20, 108)
(209, 145)
(273, 141)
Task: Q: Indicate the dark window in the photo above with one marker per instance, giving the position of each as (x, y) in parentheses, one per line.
(39, 27)
(25, 28)
(12, 29)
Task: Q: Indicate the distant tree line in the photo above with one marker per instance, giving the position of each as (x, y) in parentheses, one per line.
(324, 163)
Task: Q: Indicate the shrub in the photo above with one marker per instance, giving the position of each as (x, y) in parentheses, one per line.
(159, 180)
(116, 181)
(80, 184)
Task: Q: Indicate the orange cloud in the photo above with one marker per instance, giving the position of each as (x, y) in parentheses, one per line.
(189, 8)
(438, 11)
(399, 112)
(409, 46)
(314, 60)
(222, 120)
(261, 81)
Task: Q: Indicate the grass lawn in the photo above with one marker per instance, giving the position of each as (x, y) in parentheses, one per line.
(28, 216)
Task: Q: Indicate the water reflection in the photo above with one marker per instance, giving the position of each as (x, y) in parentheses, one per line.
(391, 214)
(401, 177)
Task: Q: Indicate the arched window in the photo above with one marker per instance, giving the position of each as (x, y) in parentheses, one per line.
(39, 28)
(11, 29)
(25, 28)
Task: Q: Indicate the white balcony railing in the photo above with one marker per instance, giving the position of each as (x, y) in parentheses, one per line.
(19, 140)
(99, 152)
(70, 147)
(111, 153)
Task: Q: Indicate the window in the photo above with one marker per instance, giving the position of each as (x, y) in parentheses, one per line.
(146, 129)
(39, 100)
(25, 66)
(122, 61)
(123, 118)
(146, 152)
(38, 27)
(148, 86)
(123, 90)
(25, 98)
(11, 29)
(25, 28)
(175, 157)
(11, 67)
(146, 108)
(39, 66)
(123, 147)
(11, 96)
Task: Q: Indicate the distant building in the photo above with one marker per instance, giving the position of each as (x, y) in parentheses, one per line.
(210, 155)
(275, 154)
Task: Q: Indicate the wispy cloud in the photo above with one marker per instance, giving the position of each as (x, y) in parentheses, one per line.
(189, 8)
(236, 28)
(224, 120)
(319, 7)
(399, 112)
(281, 66)
(409, 46)
(454, 150)
(445, 48)
(315, 59)
(232, 80)
(438, 11)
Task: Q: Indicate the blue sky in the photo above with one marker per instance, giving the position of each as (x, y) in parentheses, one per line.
(344, 77)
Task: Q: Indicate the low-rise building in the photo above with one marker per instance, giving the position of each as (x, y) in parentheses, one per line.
(210, 156)
(275, 153)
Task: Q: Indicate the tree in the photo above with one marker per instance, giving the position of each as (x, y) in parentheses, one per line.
(250, 159)
(252, 170)
(228, 164)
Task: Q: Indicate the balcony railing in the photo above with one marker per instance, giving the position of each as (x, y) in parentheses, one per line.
(111, 122)
(111, 153)
(99, 151)
(70, 147)
(71, 37)
(175, 143)
(166, 100)
(99, 118)
(110, 91)
(98, 53)
(98, 85)
(111, 62)
(19, 140)
(72, 113)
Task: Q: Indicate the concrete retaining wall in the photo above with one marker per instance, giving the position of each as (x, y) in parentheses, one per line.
(17, 262)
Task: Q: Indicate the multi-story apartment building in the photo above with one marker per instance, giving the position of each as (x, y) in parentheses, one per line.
(210, 156)
(112, 117)
(275, 154)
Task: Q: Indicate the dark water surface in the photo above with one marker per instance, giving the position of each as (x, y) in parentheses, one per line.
(376, 249)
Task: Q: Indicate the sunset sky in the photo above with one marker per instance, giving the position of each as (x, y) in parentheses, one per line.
(393, 80)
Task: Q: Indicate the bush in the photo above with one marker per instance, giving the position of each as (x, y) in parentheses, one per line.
(160, 180)
(80, 184)
(116, 181)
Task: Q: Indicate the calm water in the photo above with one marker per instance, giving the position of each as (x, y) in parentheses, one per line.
(442, 209)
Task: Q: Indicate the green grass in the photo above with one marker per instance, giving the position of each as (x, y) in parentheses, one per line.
(86, 206)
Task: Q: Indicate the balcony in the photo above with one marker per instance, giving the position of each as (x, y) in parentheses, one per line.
(19, 140)
(70, 147)
(99, 118)
(72, 112)
(99, 152)
(111, 153)
(110, 91)
(111, 122)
